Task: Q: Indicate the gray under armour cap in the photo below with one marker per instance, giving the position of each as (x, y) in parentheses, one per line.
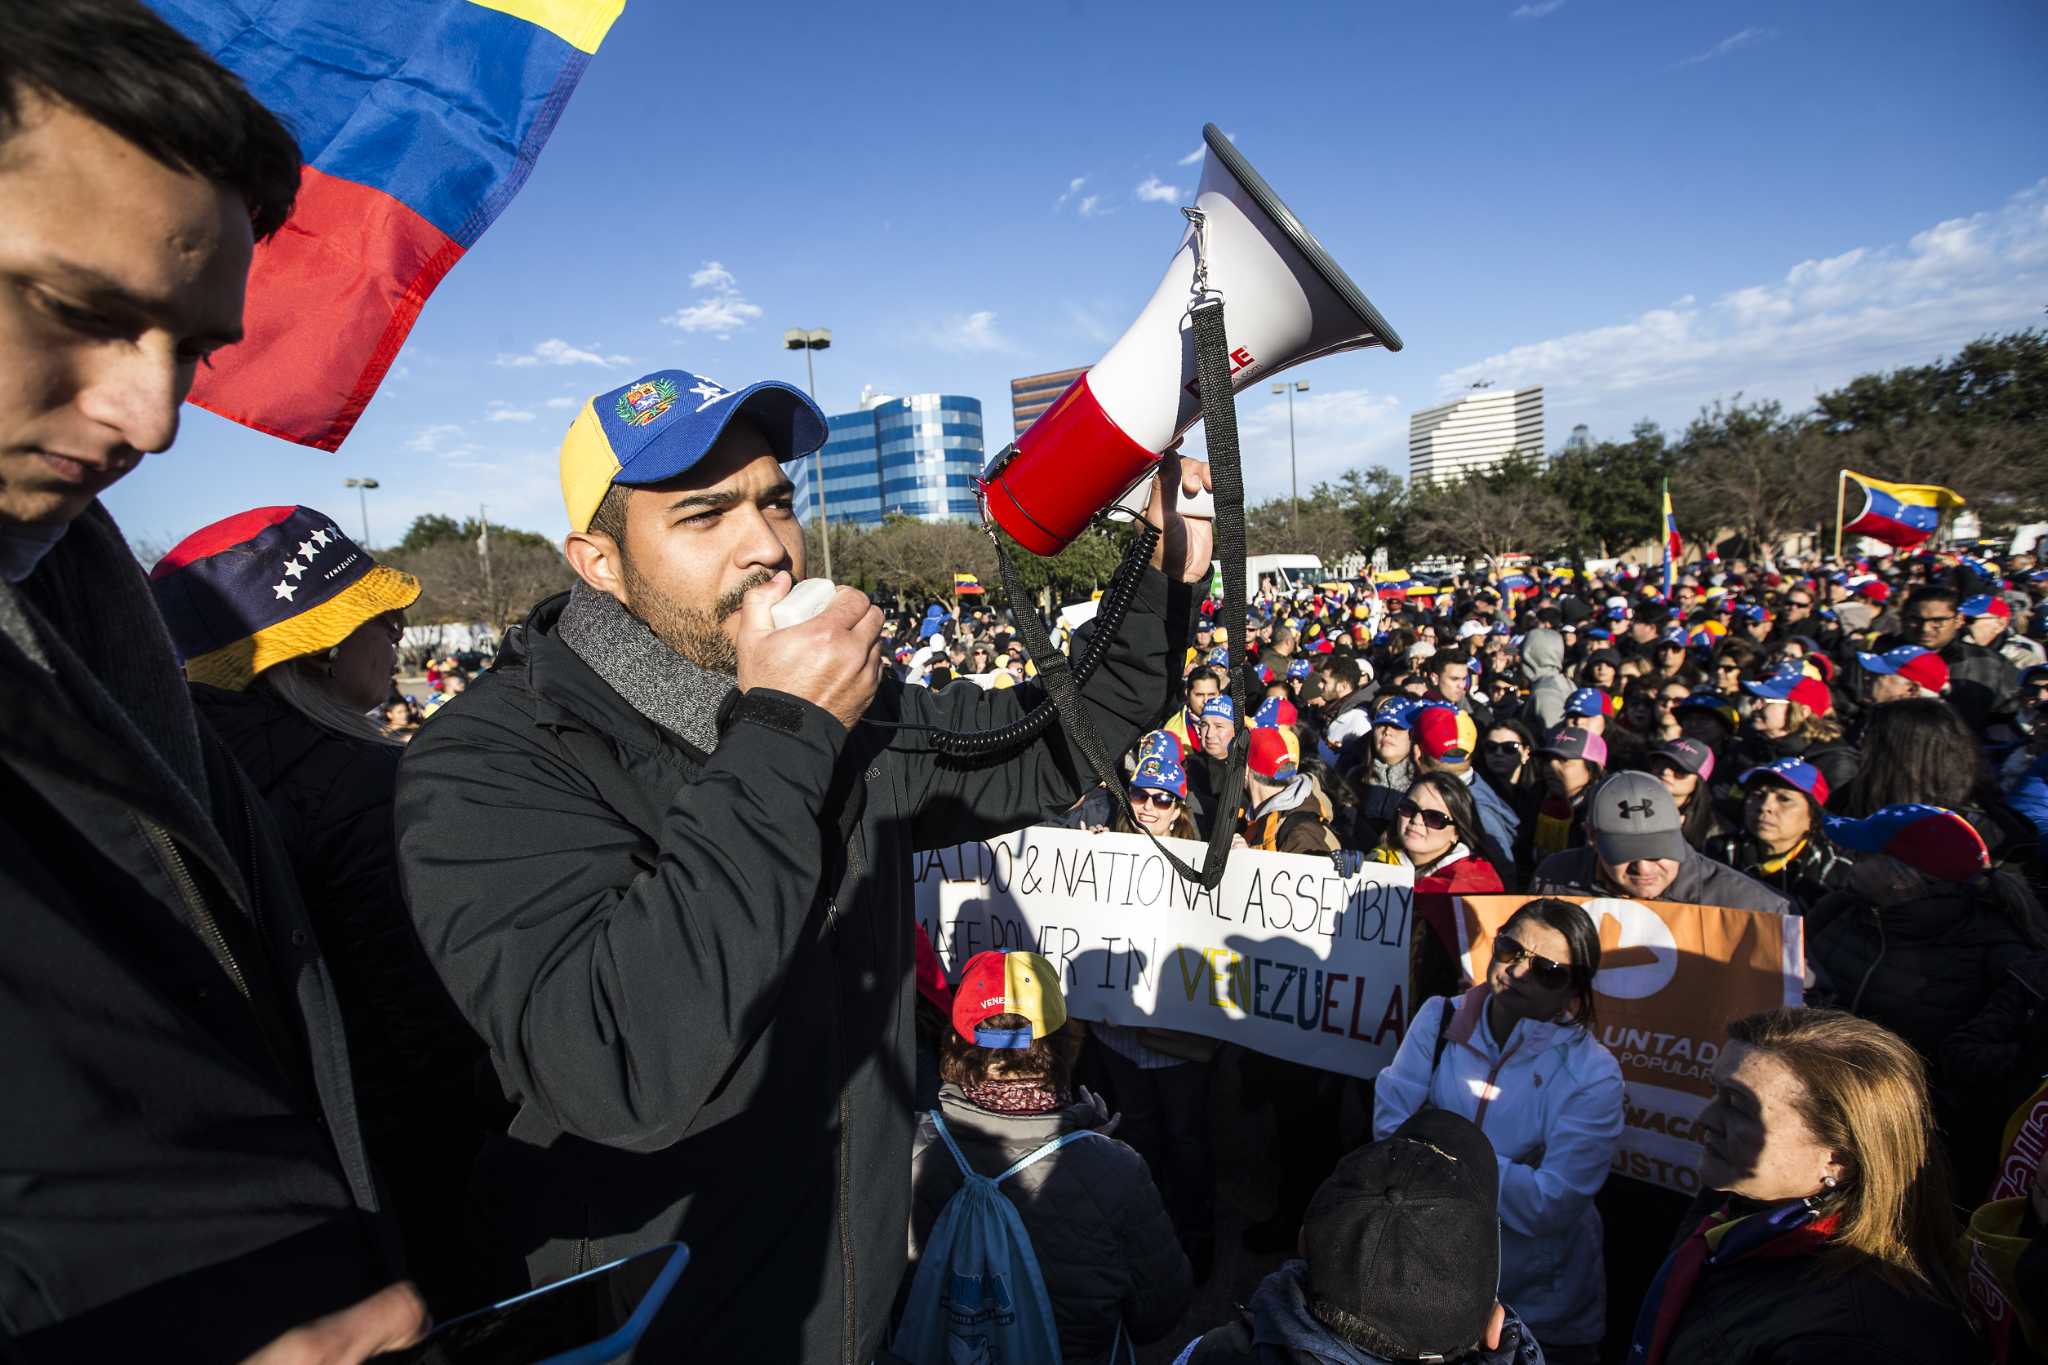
(1631, 816)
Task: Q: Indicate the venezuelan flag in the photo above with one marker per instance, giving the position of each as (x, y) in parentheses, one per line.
(1673, 547)
(964, 583)
(419, 120)
(1899, 514)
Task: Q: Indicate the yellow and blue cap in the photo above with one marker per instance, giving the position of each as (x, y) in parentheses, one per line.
(661, 424)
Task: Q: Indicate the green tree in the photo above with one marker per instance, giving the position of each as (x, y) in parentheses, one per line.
(1613, 491)
(1506, 510)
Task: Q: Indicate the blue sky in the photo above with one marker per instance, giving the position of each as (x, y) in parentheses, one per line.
(1641, 206)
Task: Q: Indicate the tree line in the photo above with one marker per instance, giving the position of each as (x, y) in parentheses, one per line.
(1748, 473)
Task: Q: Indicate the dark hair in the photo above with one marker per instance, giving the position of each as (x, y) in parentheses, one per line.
(1049, 1059)
(1580, 935)
(1743, 653)
(1435, 664)
(610, 516)
(1183, 826)
(1931, 592)
(1526, 784)
(1209, 671)
(1457, 799)
(118, 64)
(1918, 749)
(1343, 668)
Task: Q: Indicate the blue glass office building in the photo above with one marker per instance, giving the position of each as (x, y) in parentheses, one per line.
(917, 456)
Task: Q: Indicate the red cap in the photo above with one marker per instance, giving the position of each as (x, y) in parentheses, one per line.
(1813, 694)
(1879, 593)
(1269, 758)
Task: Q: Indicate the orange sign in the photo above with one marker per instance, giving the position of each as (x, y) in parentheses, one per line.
(1671, 978)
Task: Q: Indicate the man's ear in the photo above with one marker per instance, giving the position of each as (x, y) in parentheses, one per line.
(597, 560)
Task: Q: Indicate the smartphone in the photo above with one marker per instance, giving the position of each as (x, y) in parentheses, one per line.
(586, 1319)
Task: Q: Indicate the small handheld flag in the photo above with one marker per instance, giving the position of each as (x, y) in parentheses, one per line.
(965, 583)
(1673, 548)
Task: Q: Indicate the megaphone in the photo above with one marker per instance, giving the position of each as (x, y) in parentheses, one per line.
(1287, 301)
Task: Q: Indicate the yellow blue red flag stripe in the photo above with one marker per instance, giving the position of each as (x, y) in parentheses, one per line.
(1901, 515)
(419, 120)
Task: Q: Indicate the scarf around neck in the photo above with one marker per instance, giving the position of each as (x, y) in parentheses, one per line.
(650, 677)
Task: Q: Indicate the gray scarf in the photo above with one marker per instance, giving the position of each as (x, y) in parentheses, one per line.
(652, 678)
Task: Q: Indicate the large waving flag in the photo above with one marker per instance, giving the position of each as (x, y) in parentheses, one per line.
(419, 120)
(1901, 515)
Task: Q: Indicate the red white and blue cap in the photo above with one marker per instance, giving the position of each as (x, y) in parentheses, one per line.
(1589, 701)
(1793, 772)
(1986, 604)
(1937, 841)
(270, 584)
(1160, 772)
(1400, 711)
(1922, 667)
(1162, 742)
(1220, 706)
(660, 425)
(1299, 668)
(1276, 711)
(1794, 685)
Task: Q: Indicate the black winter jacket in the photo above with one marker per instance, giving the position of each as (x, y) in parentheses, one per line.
(1774, 1310)
(1104, 1244)
(183, 1176)
(1919, 955)
(694, 973)
(1819, 868)
(416, 1062)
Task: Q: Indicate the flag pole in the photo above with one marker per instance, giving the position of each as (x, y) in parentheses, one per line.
(1841, 492)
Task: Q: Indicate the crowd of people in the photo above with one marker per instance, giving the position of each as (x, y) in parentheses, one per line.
(326, 1021)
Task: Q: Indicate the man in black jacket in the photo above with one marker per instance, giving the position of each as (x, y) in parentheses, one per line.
(184, 1178)
(1983, 685)
(662, 854)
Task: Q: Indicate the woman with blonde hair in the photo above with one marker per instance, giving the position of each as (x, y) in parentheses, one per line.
(1823, 1230)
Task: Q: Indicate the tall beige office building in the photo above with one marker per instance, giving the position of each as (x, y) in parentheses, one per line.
(1034, 393)
(1474, 434)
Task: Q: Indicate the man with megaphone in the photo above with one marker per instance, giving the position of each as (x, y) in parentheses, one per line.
(661, 854)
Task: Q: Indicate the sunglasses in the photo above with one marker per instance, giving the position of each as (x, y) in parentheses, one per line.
(1151, 796)
(1433, 819)
(1508, 950)
(1502, 746)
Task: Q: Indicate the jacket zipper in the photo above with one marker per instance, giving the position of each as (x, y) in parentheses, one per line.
(188, 891)
(1479, 1118)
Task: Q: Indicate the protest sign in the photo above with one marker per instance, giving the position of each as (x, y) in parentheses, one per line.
(1671, 978)
(1299, 957)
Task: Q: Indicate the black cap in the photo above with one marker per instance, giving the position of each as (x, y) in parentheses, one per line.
(1405, 1236)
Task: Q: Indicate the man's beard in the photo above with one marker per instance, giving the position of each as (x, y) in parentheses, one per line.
(697, 635)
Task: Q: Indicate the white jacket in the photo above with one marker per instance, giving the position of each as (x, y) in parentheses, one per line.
(1550, 1100)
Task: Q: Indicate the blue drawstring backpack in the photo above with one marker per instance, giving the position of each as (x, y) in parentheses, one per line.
(978, 1298)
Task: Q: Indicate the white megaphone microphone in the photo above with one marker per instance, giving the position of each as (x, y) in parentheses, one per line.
(1287, 301)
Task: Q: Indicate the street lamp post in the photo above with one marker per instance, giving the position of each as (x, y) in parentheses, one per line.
(1293, 488)
(362, 487)
(808, 340)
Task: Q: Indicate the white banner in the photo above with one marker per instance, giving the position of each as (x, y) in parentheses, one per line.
(1301, 957)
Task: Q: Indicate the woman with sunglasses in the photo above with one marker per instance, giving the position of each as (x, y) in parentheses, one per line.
(1437, 832)
(1517, 1055)
(1161, 1080)
(1507, 764)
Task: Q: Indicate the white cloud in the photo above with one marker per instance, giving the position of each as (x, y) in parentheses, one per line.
(1073, 188)
(1539, 9)
(974, 332)
(435, 438)
(1091, 207)
(1822, 322)
(1196, 155)
(1334, 430)
(555, 351)
(713, 276)
(498, 411)
(1151, 190)
(562, 402)
(724, 311)
(1731, 43)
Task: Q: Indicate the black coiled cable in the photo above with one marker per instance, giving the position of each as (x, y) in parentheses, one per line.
(1109, 620)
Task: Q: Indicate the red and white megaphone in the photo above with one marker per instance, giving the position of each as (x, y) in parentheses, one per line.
(1287, 302)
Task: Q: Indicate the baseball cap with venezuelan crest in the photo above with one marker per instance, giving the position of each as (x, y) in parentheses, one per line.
(267, 585)
(662, 424)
